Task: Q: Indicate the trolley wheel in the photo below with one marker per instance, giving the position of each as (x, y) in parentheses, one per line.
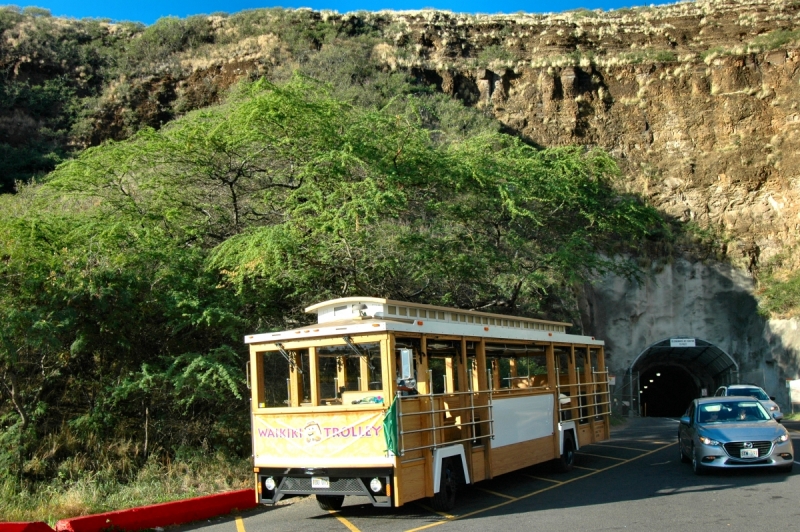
(445, 500)
(330, 503)
(567, 460)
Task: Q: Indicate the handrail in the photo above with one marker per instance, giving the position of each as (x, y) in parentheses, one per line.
(477, 415)
(473, 412)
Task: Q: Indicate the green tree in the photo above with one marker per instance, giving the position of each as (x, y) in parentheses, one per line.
(129, 277)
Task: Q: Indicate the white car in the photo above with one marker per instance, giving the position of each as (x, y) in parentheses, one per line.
(750, 390)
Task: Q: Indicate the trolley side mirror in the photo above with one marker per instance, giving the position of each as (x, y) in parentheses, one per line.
(406, 364)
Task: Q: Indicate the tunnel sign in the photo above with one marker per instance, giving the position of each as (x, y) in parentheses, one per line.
(681, 342)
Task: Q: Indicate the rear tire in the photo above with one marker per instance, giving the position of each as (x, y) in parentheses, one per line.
(330, 503)
(567, 460)
(445, 500)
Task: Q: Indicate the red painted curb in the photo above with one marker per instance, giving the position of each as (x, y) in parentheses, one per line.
(25, 527)
(164, 514)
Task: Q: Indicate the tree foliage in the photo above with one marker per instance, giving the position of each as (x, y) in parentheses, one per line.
(129, 277)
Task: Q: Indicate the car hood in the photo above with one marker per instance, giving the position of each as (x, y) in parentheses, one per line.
(755, 430)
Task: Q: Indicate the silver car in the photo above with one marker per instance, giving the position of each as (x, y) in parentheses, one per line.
(751, 390)
(733, 433)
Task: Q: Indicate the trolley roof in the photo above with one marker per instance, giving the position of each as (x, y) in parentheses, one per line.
(354, 315)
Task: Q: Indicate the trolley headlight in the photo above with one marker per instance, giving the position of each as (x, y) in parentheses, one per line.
(375, 485)
(269, 483)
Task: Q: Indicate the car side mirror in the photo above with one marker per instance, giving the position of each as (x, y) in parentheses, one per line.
(685, 420)
(771, 398)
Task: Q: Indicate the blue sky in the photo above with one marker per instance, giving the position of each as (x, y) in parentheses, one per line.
(148, 11)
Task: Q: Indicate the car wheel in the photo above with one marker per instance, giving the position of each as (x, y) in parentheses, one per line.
(330, 503)
(697, 467)
(684, 458)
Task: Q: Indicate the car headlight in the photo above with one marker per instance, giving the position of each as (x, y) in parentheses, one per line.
(708, 441)
(782, 438)
(773, 408)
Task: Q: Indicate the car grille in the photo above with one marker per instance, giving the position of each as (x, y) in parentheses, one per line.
(734, 448)
(341, 485)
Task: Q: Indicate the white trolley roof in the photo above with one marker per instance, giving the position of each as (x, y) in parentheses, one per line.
(353, 315)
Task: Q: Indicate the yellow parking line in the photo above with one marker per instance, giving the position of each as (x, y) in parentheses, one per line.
(431, 510)
(542, 478)
(476, 512)
(350, 526)
(496, 493)
(239, 524)
(585, 468)
(601, 456)
(619, 447)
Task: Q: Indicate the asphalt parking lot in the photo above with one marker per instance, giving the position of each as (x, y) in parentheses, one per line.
(614, 485)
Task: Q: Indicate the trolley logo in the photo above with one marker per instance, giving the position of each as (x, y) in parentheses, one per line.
(313, 432)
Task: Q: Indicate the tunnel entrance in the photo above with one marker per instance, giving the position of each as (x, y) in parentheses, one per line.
(667, 375)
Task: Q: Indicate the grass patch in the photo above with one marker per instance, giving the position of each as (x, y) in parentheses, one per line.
(158, 481)
(774, 39)
(779, 287)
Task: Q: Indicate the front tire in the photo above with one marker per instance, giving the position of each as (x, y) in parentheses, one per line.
(697, 467)
(684, 458)
(330, 503)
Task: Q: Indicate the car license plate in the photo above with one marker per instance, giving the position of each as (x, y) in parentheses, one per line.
(749, 453)
(320, 482)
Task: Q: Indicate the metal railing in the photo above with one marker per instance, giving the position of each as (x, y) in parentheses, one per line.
(436, 416)
(583, 395)
(596, 396)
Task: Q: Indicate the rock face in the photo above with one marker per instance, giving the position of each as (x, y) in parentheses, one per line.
(713, 144)
(702, 117)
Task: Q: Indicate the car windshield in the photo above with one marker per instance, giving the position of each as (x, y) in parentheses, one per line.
(731, 412)
(756, 393)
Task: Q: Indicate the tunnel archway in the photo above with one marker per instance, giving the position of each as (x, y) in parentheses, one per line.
(667, 375)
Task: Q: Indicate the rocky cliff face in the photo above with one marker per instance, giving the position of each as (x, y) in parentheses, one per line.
(692, 99)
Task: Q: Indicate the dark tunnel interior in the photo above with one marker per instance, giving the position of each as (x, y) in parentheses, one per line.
(666, 391)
